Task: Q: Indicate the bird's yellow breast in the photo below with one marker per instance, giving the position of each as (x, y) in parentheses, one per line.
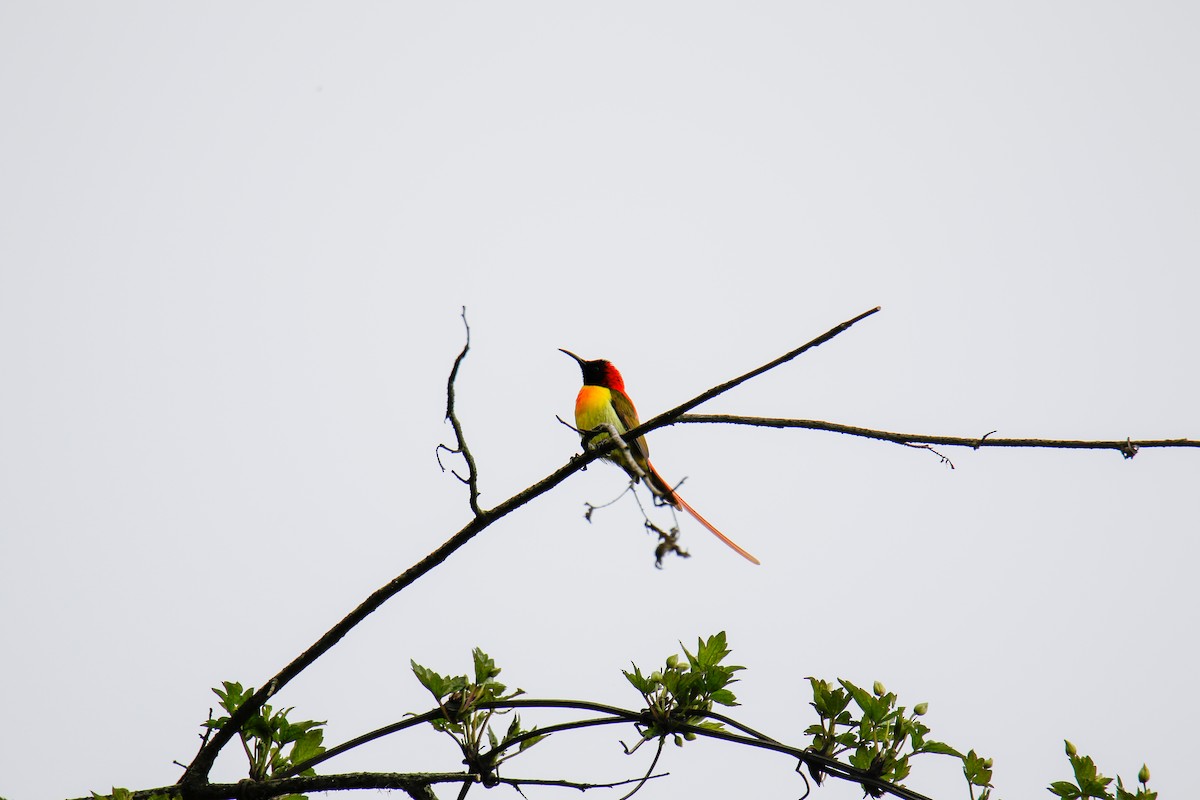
(593, 407)
(599, 405)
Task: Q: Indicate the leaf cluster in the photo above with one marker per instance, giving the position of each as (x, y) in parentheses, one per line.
(685, 689)
(271, 741)
(880, 735)
(459, 699)
(862, 735)
(1089, 783)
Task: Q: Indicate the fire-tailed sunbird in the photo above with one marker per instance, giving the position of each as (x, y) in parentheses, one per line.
(602, 400)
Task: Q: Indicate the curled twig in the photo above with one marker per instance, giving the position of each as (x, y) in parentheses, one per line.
(981, 438)
(657, 753)
(807, 785)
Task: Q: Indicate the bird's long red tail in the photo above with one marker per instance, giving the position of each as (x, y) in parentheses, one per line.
(664, 490)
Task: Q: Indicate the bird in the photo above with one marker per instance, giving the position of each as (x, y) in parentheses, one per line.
(603, 400)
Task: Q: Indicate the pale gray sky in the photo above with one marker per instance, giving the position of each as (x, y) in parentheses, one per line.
(234, 241)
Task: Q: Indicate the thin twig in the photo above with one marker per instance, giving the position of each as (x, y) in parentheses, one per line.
(591, 509)
(945, 459)
(583, 787)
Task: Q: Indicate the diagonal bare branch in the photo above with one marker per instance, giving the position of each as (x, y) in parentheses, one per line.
(669, 417)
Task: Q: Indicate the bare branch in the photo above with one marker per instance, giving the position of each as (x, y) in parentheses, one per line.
(1127, 447)
(472, 479)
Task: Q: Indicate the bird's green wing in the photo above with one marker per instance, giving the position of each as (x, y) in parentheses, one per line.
(628, 416)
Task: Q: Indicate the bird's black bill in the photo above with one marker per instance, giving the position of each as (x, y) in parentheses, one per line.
(572, 355)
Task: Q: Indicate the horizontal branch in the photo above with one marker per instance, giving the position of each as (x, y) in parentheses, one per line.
(1127, 447)
(416, 784)
(745, 736)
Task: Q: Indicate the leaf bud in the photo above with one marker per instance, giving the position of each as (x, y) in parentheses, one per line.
(920, 708)
(1144, 774)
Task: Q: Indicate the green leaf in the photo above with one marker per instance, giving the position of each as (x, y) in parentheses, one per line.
(232, 695)
(514, 728)
(438, 685)
(871, 708)
(938, 747)
(531, 741)
(693, 661)
(1065, 789)
(862, 758)
(485, 667)
(638, 680)
(1091, 782)
(976, 769)
(309, 745)
(713, 651)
